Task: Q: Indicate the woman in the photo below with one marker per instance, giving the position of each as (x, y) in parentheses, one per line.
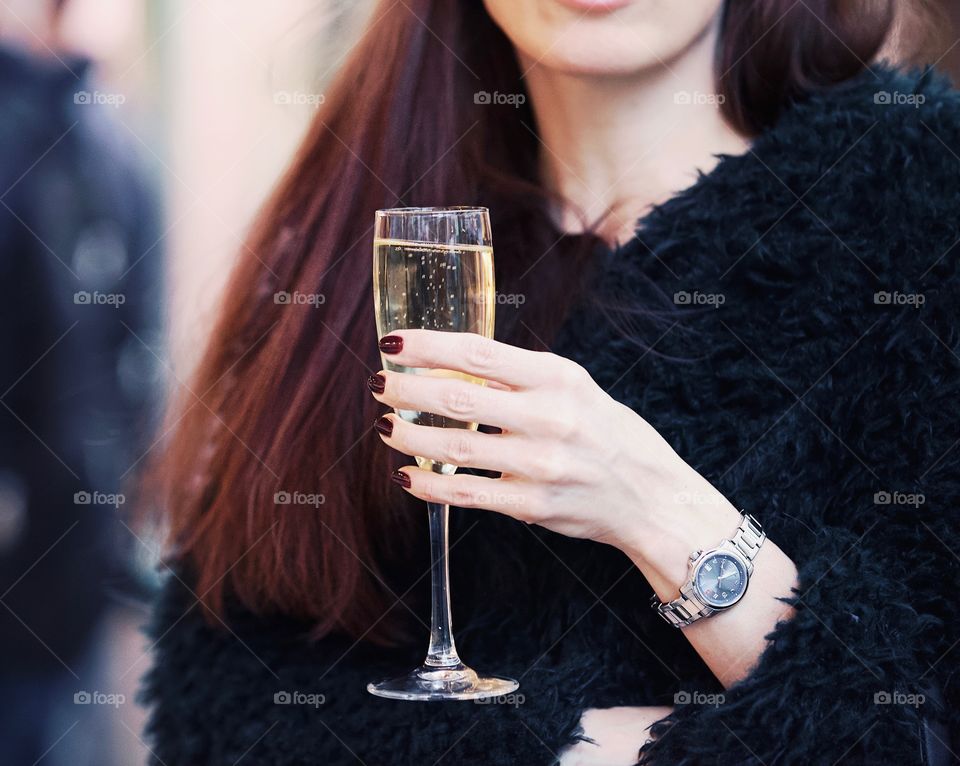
(779, 337)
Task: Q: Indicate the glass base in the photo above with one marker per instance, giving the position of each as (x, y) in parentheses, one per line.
(432, 683)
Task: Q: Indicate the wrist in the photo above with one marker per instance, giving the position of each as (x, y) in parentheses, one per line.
(690, 515)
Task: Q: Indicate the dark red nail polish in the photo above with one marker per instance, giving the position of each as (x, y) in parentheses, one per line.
(391, 344)
(377, 383)
(399, 477)
(385, 426)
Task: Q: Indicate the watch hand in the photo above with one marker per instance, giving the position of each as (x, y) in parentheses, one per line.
(720, 574)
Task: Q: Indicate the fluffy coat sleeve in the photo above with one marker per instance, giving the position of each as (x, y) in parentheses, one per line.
(866, 669)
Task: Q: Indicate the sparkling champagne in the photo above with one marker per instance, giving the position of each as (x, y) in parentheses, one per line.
(429, 286)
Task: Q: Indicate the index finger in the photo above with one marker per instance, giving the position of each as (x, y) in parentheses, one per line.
(467, 352)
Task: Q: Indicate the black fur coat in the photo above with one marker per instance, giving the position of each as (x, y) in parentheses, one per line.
(806, 360)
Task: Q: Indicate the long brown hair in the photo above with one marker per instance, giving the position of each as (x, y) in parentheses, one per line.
(278, 404)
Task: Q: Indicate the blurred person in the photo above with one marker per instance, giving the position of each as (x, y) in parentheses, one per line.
(80, 279)
(735, 235)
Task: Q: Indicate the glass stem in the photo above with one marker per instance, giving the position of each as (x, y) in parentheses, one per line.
(442, 652)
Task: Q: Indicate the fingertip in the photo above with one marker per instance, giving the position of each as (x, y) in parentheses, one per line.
(400, 478)
(377, 383)
(384, 426)
(391, 344)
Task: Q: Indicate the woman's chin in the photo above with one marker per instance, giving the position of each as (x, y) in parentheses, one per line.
(614, 56)
(602, 37)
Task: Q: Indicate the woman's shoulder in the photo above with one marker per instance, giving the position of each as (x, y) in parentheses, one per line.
(853, 188)
(890, 112)
(883, 169)
(878, 156)
(857, 182)
(828, 250)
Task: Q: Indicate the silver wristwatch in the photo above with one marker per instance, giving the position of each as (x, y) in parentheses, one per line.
(718, 577)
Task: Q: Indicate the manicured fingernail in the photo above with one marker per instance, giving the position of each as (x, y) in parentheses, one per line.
(377, 383)
(384, 425)
(391, 344)
(399, 477)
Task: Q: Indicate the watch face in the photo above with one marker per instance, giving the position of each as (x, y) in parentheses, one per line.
(720, 579)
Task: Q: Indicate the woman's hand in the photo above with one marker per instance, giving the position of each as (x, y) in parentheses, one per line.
(577, 462)
(572, 458)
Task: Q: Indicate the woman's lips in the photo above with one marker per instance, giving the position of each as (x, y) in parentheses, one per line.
(594, 6)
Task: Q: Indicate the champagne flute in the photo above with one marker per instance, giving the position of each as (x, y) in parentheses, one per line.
(433, 270)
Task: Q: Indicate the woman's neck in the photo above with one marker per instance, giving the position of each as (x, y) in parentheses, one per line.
(617, 145)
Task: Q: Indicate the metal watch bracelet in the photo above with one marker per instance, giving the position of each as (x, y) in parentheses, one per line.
(689, 608)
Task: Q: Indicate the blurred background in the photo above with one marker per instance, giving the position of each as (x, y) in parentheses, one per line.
(137, 139)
